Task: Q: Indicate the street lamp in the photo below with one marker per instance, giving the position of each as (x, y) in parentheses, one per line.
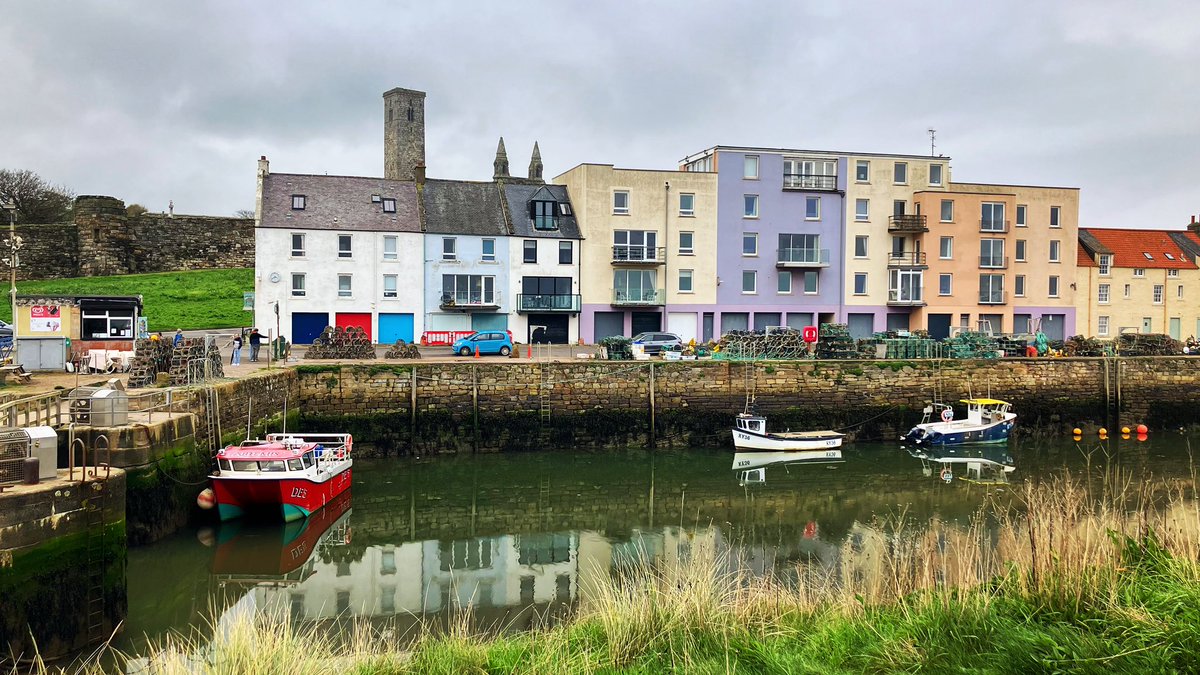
(14, 244)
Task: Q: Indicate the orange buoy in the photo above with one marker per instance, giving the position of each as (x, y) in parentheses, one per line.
(1142, 430)
(1124, 430)
(1142, 438)
(1077, 431)
(1103, 431)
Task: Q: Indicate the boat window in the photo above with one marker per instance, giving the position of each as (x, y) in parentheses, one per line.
(295, 465)
(307, 459)
(224, 465)
(273, 465)
(245, 466)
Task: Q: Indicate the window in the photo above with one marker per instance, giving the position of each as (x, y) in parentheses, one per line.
(1054, 222)
(1139, 272)
(1053, 287)
(860, 283)
(299, 202)
(1168, 256)
(862, 171)
(1179, 291)
(687, 204)
(1158, 294)
(1019, 286)
(529, 249)
(860, 246)
(945, 283)
(468, 289)
(1172, 273)
(345, 246)
(1055, 245)
(635, 245)
(389, 248)
(448, 249)
(390, 289)
(1105, 261)
(1102, 325)
(900, 173)
(898, 207)
(947, 210)
(564, 208)
(812, 208)
(801, 248)
(297, 245)
(1102, 293)
(566, 253)
(1021, 209)
(991, 217)
(749, 244)
(389, 205)
(375, 199)
(905, 286)
(1020, 252)
(1126, 291)
(686, 241)
(750, 167)
(345, 287)
(489, 250)
(810, 282)
(991, 253)
(621, 202)
(749, 206)
(946, 248)
(991, 289)
(749, 281)
(685, 281)
(811, 174)
(545, 214)
(785, 282)
(935, 174)
(862, 209)
(298, 285)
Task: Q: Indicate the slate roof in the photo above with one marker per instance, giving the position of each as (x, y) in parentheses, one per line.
(518, 196)
(463, 207)
(1189, 241)
(1129, 248)
(339, 203)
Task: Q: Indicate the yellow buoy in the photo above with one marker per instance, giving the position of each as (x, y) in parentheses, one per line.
(1124, 430)
(1077, 431)
(1103, 431)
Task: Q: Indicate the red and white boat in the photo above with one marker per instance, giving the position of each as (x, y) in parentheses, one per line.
(295, 473)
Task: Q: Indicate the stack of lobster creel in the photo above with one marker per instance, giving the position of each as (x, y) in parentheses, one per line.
(337, 342)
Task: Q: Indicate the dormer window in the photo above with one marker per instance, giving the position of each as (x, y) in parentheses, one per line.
(389, 205)
(299, 202)
(544, 214)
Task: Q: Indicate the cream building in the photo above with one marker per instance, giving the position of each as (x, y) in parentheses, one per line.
(648, 257)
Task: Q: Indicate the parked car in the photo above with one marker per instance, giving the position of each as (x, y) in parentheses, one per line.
(488, 342)
(653, 343)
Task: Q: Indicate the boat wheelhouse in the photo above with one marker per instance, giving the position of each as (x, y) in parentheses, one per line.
(293, 473)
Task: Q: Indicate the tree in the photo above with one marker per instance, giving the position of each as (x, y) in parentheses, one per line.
(244, 213)
(37, 200)
(134, 210)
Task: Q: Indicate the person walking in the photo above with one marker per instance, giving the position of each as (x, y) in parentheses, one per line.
(255, 343)
(236, 359)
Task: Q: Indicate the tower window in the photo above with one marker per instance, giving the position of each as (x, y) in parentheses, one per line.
(410, 113)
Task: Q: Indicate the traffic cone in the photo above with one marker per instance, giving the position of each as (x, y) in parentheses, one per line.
(476, 351)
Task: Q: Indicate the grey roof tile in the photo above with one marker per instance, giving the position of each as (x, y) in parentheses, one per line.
(339, 203)
(463, 207)
(518, 196)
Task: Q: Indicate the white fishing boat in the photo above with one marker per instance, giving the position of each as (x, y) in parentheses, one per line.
(988, 420)
(755, 446)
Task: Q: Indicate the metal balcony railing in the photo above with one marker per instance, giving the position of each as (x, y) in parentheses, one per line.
(803, 257)
(993, 262)
(547, 302)
(635, 298)
(636, 254)
(906, 259)
(809, 181)
(907, 223)
(993, 225)
(992, 297)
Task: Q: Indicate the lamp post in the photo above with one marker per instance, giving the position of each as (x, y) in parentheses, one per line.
(14, 245)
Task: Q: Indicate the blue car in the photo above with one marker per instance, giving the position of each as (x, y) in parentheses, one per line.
(488, 342)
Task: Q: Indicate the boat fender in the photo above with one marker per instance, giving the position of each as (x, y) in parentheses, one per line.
(946, 474)
(947, 415)
(348, 532)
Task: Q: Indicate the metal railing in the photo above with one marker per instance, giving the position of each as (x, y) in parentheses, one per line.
(544, 302)
(639, 254)
(993, 262)
(992, 297)
(907, 223)
(801, 257)
(49, 409)
(906, 259)
(639, 298)
(809, 181)
(993, 225)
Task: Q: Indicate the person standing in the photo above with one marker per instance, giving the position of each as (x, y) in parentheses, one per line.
(255, 343)
(178, 337)
(236, 359)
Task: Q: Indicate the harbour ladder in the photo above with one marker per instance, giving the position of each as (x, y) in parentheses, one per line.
(96, 557)
(212, 418)
(544, 385)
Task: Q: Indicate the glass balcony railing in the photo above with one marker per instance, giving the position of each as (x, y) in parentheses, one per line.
(803, 257)
(639, 298)
(809, 181)
(547, 302)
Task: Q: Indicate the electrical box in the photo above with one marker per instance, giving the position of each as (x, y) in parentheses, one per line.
(43, 444)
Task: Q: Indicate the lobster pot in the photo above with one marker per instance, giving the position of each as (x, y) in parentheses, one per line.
(14, 448)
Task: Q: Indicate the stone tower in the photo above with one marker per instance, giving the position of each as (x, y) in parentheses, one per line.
(403, 133)
(535, 164)
(500, 164)
(104, 236)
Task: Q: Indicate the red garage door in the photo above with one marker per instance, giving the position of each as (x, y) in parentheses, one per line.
(363, 321)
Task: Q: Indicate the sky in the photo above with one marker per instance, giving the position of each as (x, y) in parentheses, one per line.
(153, 101)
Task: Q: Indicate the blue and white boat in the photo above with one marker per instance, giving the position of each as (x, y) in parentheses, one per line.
(988, 420)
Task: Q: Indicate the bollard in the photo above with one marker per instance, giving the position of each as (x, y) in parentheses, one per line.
(32, 467)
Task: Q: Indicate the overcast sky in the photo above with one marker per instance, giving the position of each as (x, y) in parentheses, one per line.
(157, 101)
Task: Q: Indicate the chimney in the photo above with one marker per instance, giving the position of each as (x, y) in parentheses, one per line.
(1194, 226)
(264, 167)
(500, 164)
(419, 174)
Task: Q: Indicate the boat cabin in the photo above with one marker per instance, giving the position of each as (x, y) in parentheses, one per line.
(985, 410)
(752, 424)
(281, 454)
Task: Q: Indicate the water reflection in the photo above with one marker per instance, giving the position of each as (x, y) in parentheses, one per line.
(988, 464)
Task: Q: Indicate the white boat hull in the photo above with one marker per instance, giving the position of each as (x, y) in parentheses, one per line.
(805, 440)
(754, 460)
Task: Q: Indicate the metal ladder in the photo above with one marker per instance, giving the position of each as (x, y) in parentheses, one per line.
(544, 386)
(212, 419)
(96, 562)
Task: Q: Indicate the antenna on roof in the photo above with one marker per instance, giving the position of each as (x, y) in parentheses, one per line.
(932, 138)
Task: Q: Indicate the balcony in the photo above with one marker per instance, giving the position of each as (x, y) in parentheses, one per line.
(993, 262)
(906, 259)
(635, 254)
(547, 303)
(803, 257)
(468, 302)
(899, 297)
(911, 224)
(635, 298)
(809, 181)
(992, 297)
(993, 225)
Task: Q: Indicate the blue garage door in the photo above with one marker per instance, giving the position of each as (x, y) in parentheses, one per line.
(306, 326)
(394, 327)
(489, 322)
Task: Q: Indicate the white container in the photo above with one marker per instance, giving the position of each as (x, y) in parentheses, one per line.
(43, 444)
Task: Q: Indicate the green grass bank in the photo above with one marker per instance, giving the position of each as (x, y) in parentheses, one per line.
(191, 300)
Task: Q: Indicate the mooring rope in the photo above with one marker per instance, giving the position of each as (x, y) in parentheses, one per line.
(874, 417)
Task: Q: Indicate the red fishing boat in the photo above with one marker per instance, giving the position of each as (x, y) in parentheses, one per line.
(295, 473)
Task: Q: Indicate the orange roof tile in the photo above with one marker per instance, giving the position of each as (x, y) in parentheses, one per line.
(1130, 248)
(1082, 259)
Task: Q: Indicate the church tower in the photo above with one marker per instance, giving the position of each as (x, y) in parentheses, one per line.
(403, 133)
(535, 164)
(500, 164)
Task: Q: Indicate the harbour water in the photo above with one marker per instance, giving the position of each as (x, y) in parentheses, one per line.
(518, 538)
